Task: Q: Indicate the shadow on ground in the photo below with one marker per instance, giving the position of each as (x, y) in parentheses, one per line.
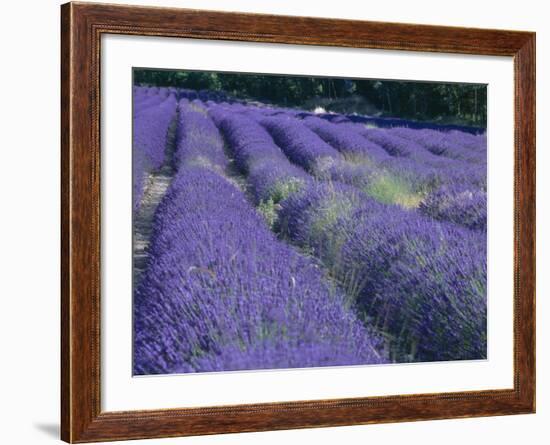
(49, 429)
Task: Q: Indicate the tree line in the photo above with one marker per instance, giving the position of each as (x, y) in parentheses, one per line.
(432, 101)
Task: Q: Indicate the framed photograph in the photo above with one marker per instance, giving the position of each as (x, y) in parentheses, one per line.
(275, 222)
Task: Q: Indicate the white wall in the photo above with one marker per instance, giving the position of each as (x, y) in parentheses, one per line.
(29, 239)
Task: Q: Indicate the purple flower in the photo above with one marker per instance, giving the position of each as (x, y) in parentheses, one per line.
(216, 295)
(152, 119)
(422, 281)
(459, 204)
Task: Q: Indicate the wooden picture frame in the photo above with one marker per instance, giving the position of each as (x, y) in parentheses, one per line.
(82, 25)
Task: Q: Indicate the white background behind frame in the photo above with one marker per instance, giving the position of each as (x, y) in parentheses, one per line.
(30, 320)
(122, 392)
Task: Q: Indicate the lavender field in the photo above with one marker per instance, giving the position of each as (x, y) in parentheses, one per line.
(272, 237)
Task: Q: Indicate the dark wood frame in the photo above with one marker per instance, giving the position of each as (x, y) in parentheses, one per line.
(82, 25)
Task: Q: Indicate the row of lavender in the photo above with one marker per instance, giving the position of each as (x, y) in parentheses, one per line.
(154, 109)
(142, 92)
(443, 174)
(216, 295)
(420, 281)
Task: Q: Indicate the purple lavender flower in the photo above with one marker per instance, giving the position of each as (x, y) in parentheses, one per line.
(301, 145)
(223, 292)
(216, 295)
(443, 144)
(269, 172)
(421, 281)
(459, 204)
(198, 140)
(152, 119)
(347, 140)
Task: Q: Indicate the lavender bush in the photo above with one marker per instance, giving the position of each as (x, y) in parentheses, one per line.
(198, 139)
(444, 144)
(301, 145)
(290, 239)
(152, 118)
(270, 174)
(457, 203)
(314, 217)
(421, 281)
(217, 297)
